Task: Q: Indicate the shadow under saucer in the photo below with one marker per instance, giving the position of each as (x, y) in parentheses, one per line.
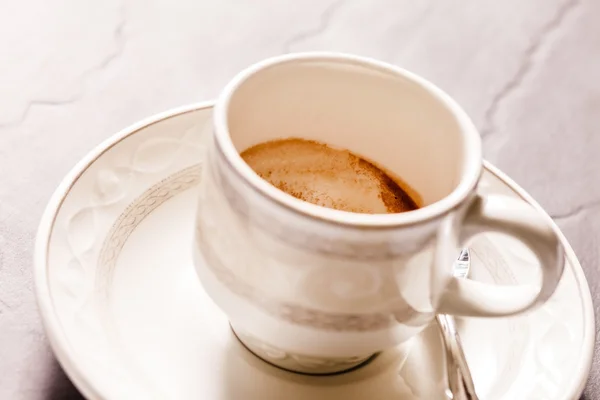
(59, 387)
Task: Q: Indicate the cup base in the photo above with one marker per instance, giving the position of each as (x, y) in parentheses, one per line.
(299, 363)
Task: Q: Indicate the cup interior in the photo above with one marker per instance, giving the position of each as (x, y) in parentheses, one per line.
(388, 116)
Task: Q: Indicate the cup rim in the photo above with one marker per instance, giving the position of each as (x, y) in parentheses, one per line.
(472, 164)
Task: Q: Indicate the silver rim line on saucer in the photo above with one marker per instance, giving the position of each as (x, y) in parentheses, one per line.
(66, 355)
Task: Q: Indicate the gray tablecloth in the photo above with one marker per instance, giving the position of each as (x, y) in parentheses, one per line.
(74, 72)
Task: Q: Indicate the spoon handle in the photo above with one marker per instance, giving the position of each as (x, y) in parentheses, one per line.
(460, 382)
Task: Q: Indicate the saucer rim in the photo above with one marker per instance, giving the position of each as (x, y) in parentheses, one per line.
(58, 340)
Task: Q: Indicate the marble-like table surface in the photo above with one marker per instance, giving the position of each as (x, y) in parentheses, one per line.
(73, 72)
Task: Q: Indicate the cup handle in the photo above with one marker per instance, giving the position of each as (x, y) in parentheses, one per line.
(519, 219)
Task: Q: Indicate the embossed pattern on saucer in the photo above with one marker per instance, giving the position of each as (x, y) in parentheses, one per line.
(127, 317)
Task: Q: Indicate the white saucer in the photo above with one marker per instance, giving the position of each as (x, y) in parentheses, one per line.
(128, 319)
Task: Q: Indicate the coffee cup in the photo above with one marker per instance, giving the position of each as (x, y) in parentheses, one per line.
(320, 290)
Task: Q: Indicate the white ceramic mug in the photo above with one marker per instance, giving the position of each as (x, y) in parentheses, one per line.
(318, 290)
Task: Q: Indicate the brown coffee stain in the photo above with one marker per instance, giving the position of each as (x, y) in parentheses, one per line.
(329, 177)
(393, 196)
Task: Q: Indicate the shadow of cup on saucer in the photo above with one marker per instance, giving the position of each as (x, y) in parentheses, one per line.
(412, 370)
(302, 364)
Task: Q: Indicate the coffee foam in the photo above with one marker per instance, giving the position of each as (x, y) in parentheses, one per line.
(328, 177)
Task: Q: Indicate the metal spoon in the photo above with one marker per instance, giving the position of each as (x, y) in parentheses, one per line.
(460, 381)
